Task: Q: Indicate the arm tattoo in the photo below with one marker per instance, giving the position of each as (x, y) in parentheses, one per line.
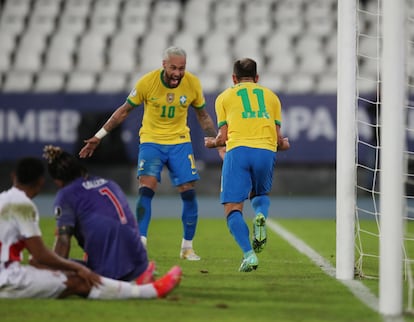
(206, 123)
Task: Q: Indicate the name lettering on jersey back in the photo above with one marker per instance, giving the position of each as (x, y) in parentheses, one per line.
(90, 184)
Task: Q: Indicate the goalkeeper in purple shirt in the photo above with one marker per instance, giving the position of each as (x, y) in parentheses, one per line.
(96, 212)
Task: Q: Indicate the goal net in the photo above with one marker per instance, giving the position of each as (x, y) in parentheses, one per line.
(380, 168)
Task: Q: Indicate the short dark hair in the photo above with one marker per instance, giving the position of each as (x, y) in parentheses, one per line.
(29, 170)
(245, 67)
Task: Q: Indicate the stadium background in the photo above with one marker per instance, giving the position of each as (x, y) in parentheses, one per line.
(65, 65)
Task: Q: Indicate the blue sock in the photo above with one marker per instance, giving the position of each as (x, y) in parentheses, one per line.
(143, 209)
(261, 204)
(239, 230)
(189, 214)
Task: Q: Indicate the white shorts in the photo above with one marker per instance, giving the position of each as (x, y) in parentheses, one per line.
(25, 281)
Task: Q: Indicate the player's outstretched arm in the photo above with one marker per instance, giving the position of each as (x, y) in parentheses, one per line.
(120, 114)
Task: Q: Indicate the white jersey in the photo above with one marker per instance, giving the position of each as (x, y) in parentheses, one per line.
(19, 219)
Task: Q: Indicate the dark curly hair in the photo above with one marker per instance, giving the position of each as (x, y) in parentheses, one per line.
(62, 165)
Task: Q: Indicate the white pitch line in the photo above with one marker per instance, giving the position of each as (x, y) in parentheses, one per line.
(356, 287)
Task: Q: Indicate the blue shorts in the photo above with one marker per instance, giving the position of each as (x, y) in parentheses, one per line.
(178, 158)
(245, 170)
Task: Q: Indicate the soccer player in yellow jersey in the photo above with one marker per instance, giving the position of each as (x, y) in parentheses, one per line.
(167, 94)
(249, 118)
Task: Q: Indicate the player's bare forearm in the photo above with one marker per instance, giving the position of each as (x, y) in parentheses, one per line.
(206, 123)
(210, 130)
(62, 245)
(120, 114)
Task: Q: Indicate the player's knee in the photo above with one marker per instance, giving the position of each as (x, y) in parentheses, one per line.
(148, 181)
(230, 208)
(186, 187)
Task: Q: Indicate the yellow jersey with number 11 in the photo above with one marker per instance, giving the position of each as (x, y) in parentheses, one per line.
(251, 113)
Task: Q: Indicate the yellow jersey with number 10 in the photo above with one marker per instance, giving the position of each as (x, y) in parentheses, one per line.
(251, 113)
(166, 109)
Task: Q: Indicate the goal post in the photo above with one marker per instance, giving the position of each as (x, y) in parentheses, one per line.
(346, 140)
(388, 20)
(392, 156)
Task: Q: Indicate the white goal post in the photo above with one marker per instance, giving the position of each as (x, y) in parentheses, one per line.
(393, 95)
(346, 140)
(392, 158)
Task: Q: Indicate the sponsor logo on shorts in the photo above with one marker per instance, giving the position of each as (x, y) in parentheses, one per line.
(141, 165)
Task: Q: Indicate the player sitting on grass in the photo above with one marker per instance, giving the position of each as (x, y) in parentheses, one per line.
(55, 277)
(96, 211)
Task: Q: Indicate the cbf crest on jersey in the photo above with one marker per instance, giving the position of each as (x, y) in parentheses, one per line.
(183, 99)
(170, 97)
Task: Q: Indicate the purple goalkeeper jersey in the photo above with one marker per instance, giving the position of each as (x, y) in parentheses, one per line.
(104, 226)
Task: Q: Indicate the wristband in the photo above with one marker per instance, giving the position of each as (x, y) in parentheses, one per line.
(101, 133)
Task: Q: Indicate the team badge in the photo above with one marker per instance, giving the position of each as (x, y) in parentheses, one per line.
(183, 99)
(170, 97)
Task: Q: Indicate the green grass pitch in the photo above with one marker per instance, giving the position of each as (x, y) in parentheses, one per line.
(286, 287)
